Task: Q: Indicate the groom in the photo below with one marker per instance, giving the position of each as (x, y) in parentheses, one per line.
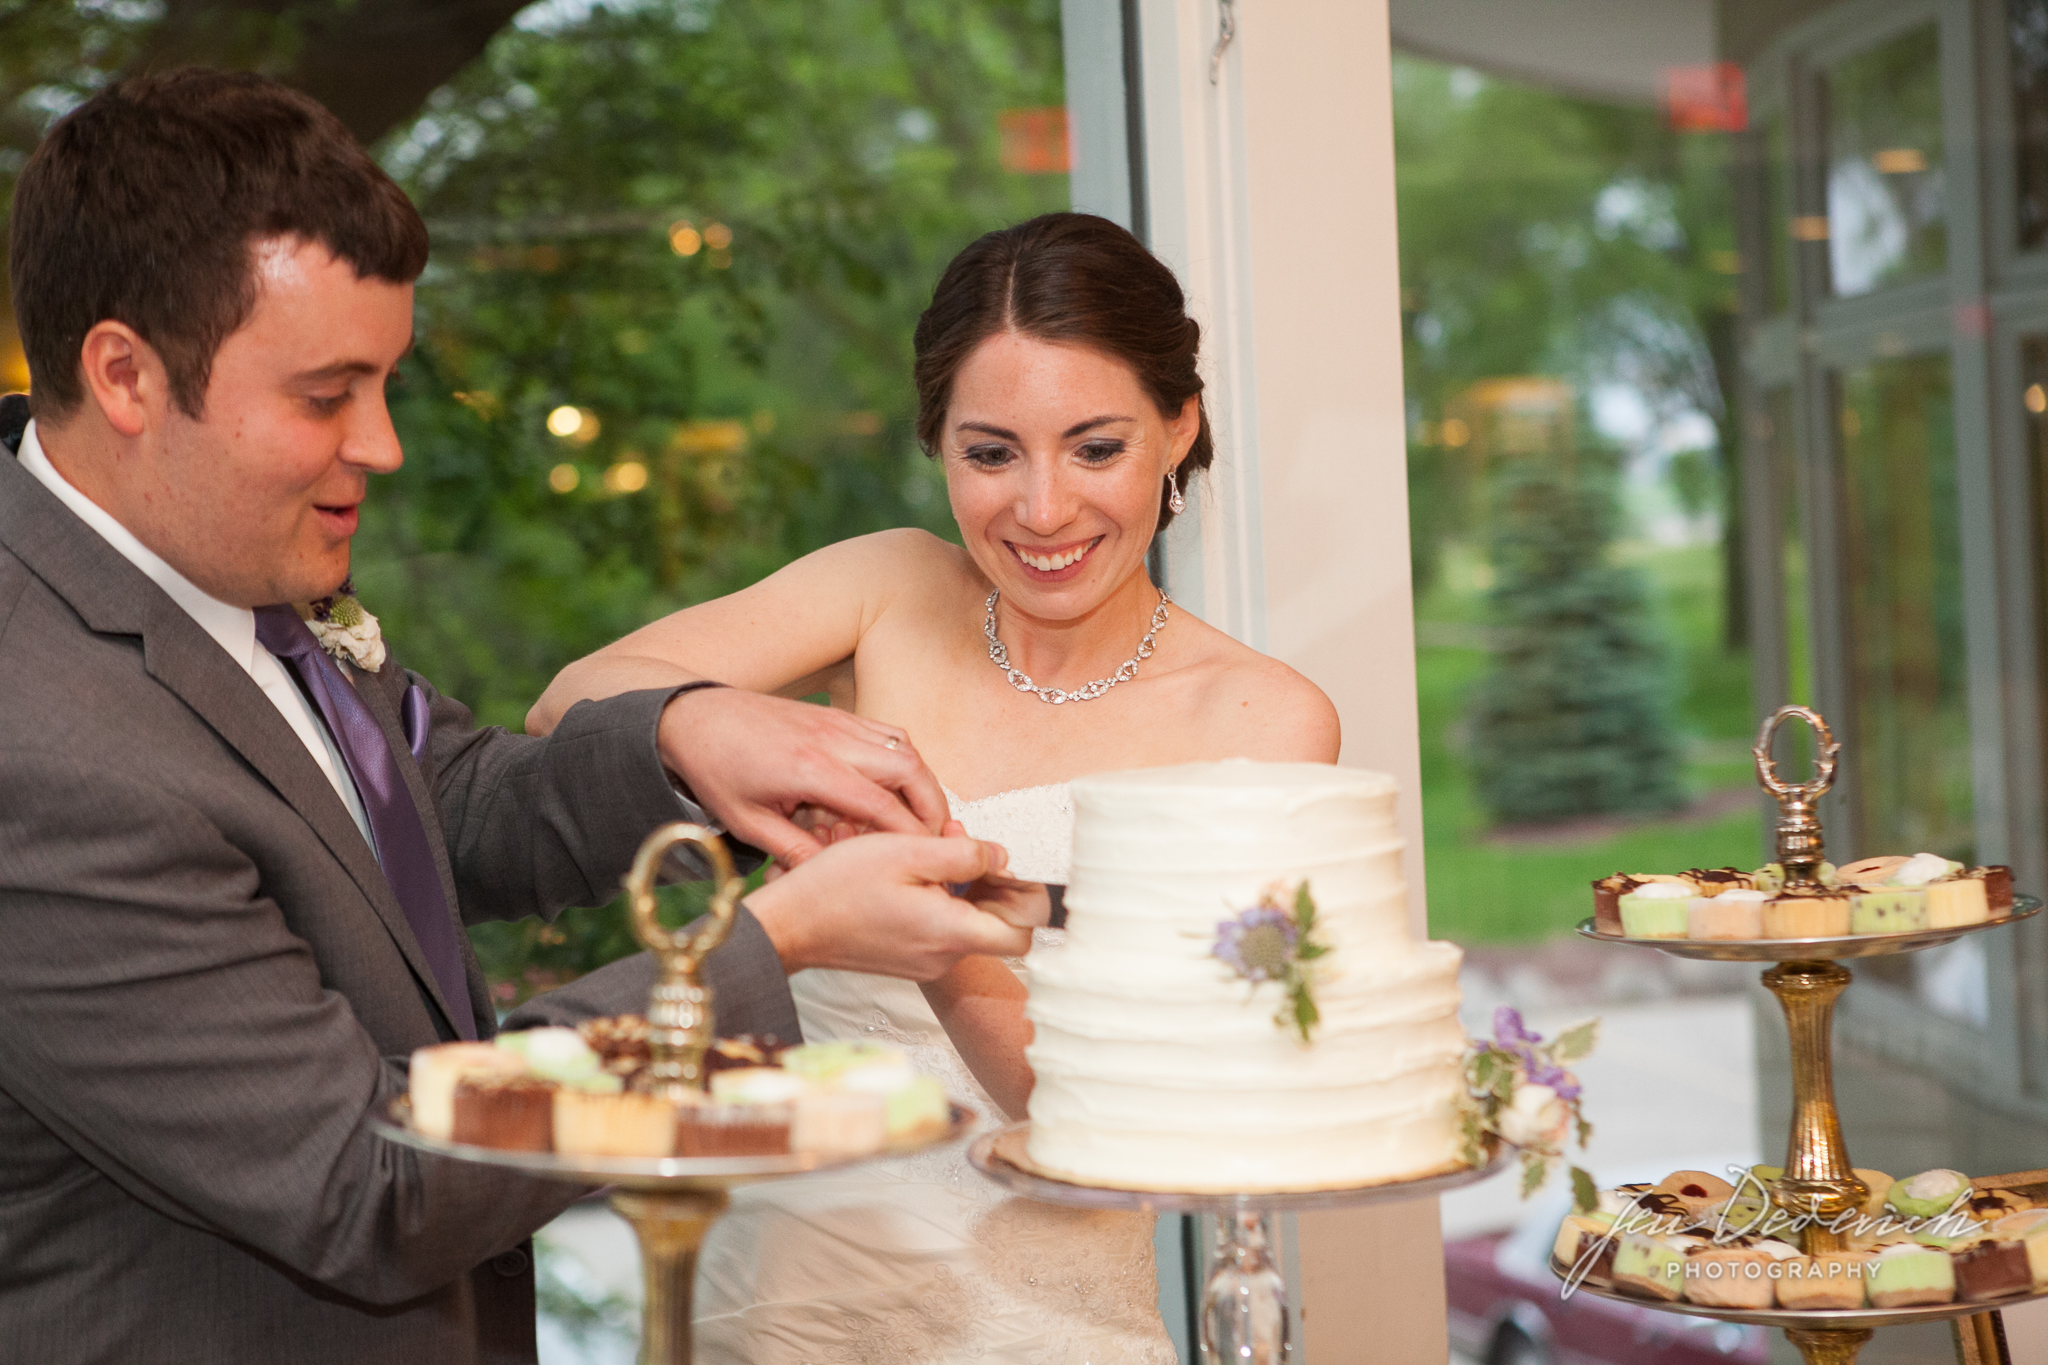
(234, 867)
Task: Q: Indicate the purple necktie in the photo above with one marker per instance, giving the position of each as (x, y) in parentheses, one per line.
(403, 845)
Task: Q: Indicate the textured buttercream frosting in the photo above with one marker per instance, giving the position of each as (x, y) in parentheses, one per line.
(1159, 1068)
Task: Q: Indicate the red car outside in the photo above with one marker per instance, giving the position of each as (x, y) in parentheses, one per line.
(1506, 1309)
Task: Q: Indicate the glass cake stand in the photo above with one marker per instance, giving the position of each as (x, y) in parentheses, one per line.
(670, 1201)
(1244, 1298)
(1807, 980)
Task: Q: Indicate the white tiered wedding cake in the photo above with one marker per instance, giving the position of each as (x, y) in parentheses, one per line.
(1162, 1065)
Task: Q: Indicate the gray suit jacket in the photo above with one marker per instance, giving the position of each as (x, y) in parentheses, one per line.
(207, 987)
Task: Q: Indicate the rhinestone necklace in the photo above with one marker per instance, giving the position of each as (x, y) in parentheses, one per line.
(1054, 696)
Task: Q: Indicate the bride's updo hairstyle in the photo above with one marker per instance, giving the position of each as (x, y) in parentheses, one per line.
(1075, 279)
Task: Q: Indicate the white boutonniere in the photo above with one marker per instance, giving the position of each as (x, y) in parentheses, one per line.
(346, 631)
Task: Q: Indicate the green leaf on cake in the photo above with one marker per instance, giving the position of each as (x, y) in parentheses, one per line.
(1585, 1131)
(1534, 1168)
(1585, 1194)
(1575, 1042)
(1306, 1015)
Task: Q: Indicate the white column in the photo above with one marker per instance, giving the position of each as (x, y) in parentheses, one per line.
(1271, 193)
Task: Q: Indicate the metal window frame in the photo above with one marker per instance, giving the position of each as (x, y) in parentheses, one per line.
(1991, 296)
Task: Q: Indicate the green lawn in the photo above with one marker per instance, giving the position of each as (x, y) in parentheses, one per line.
(1484, 890)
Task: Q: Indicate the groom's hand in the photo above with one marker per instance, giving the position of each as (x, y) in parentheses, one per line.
(754, 760)
(879, 904)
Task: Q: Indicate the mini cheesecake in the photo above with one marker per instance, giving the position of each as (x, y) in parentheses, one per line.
(1991, 1270)
(513, 1113)
(1879, 1184)
(2034, 1237)
(1607, 894)
(1737, 913)
(718, 1129)
(1993, 1206)
(1956, 901)
(1608, 891)
(1585, 1245)
(621, 1043)
(1928, 1194)
(1730, 1277)
(1649, 1267)
(1906, 1275)
(1770, 878)
(1834, 1279)
(1997, 880)
(1871, 873)
(1894, 910)
(1810, 914)
(1698, 1192)
(840, 1123)
(1657, 910)
(631, 1124)
(1712, 881)
(436, 1071)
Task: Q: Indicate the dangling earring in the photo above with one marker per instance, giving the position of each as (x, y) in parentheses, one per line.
(1174, 500)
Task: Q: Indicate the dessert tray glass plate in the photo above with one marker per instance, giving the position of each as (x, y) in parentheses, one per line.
(1000, 1155)
(1814, 949)
(670, 1171)
(1813, 1319)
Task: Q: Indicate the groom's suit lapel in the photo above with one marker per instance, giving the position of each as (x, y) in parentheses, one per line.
(113, 597)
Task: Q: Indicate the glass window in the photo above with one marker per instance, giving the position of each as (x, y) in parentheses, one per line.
(1902, 579)
(1886, 202)
(2034, 400)
(1774, 426)
(2027, 38)
(1778, 236)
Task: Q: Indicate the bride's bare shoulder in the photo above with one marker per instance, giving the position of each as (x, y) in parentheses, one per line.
(1254, 706)
(901, 565)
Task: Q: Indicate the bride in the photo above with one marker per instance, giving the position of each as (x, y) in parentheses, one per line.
(1057, 383)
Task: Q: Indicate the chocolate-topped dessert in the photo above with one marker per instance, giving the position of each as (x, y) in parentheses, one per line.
(621, 1042)
(1992, 1270)
(1989, 1205)
(747, 1049)
(1712, 881)
(1607, 894)
(1997, 887)
(516, 1113)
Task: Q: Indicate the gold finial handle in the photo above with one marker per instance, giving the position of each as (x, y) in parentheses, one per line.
(679, 1013)
(1799, 837)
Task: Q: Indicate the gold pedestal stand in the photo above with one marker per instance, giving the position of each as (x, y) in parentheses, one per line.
(670, 1201)
(1819, 1182)
(671, 1226)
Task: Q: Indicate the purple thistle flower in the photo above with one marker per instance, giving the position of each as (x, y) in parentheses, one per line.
(1511, 1033)
(1556, 1077)
(1258, 944)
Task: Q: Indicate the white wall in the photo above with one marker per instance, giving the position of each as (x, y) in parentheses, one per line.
(1271, 192)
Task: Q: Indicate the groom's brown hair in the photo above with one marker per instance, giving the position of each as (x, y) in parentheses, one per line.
(142, 206)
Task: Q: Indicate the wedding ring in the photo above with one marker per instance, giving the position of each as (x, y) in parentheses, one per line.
(893, 742)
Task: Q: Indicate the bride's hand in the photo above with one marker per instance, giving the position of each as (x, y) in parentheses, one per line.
(753, 760)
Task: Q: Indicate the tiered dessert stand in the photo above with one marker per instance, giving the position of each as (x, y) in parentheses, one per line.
(1808, 977)
(1243, 1314)
(670, 1201)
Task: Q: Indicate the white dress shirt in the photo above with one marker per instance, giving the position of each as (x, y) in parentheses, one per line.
(232, 628)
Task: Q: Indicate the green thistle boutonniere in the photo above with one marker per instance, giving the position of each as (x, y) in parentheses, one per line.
(346, 631)
(1270, 942)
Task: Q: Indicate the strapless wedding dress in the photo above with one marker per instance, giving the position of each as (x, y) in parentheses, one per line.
(921, 1260)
